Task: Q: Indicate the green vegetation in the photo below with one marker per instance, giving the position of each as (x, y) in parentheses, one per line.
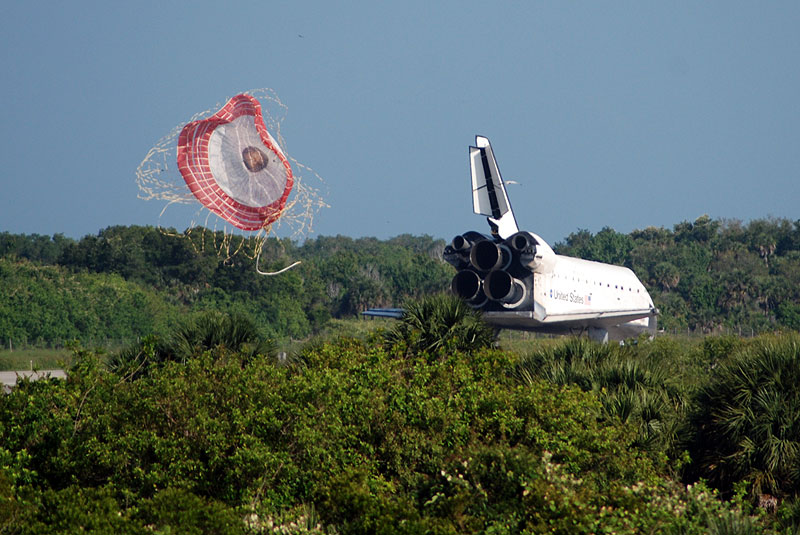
(126, 282)
(221, 435)
(433, 323)
(220, 401)
(51, 306)
(747, 420)
(202, 332)
(633, 385)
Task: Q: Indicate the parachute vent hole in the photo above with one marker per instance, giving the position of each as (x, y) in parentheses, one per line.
(254, 159)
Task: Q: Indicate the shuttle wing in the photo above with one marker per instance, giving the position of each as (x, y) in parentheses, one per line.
(395, 313)
(604, 317)
(537, 319)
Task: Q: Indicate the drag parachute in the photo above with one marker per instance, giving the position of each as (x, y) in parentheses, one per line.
(234, 167)
(226, 175)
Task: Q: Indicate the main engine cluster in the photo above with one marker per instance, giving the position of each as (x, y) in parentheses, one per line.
(493, 274)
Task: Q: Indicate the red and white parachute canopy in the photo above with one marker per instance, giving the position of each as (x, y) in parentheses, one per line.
(234, 167)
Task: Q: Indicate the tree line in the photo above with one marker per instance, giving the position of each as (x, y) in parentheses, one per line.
(131, 281)
(127, 281)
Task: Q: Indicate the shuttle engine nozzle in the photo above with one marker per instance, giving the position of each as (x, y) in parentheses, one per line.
(487, 255)
(457, 252)
(493, 274)
(467, 285)
(500, 286)
(524, 247)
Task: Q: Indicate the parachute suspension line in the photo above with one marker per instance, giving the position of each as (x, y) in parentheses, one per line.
(271, 273)
(287, 268)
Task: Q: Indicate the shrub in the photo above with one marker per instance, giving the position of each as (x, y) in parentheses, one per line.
(746, 421)
(369, 442)
(440, 322)
(633, 387)
(231, 334)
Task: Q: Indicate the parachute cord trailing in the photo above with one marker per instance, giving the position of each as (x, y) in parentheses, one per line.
(271, 273)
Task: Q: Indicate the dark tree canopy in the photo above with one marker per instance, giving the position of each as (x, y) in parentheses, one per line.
(125, 282)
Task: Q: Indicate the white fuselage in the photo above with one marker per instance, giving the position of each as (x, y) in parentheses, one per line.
(572, 295)
(576, 286)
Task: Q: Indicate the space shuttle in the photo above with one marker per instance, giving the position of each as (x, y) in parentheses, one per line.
(518, 282)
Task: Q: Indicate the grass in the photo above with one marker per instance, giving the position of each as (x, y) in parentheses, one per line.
(689, 348)
(519, 342)
(40, 359)
(522, 342)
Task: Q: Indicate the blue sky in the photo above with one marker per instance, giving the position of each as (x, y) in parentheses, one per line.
(620, 114)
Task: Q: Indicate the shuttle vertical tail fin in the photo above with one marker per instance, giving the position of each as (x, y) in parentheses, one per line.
(489, 195)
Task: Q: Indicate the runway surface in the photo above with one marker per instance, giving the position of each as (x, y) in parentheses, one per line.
(9, 379)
